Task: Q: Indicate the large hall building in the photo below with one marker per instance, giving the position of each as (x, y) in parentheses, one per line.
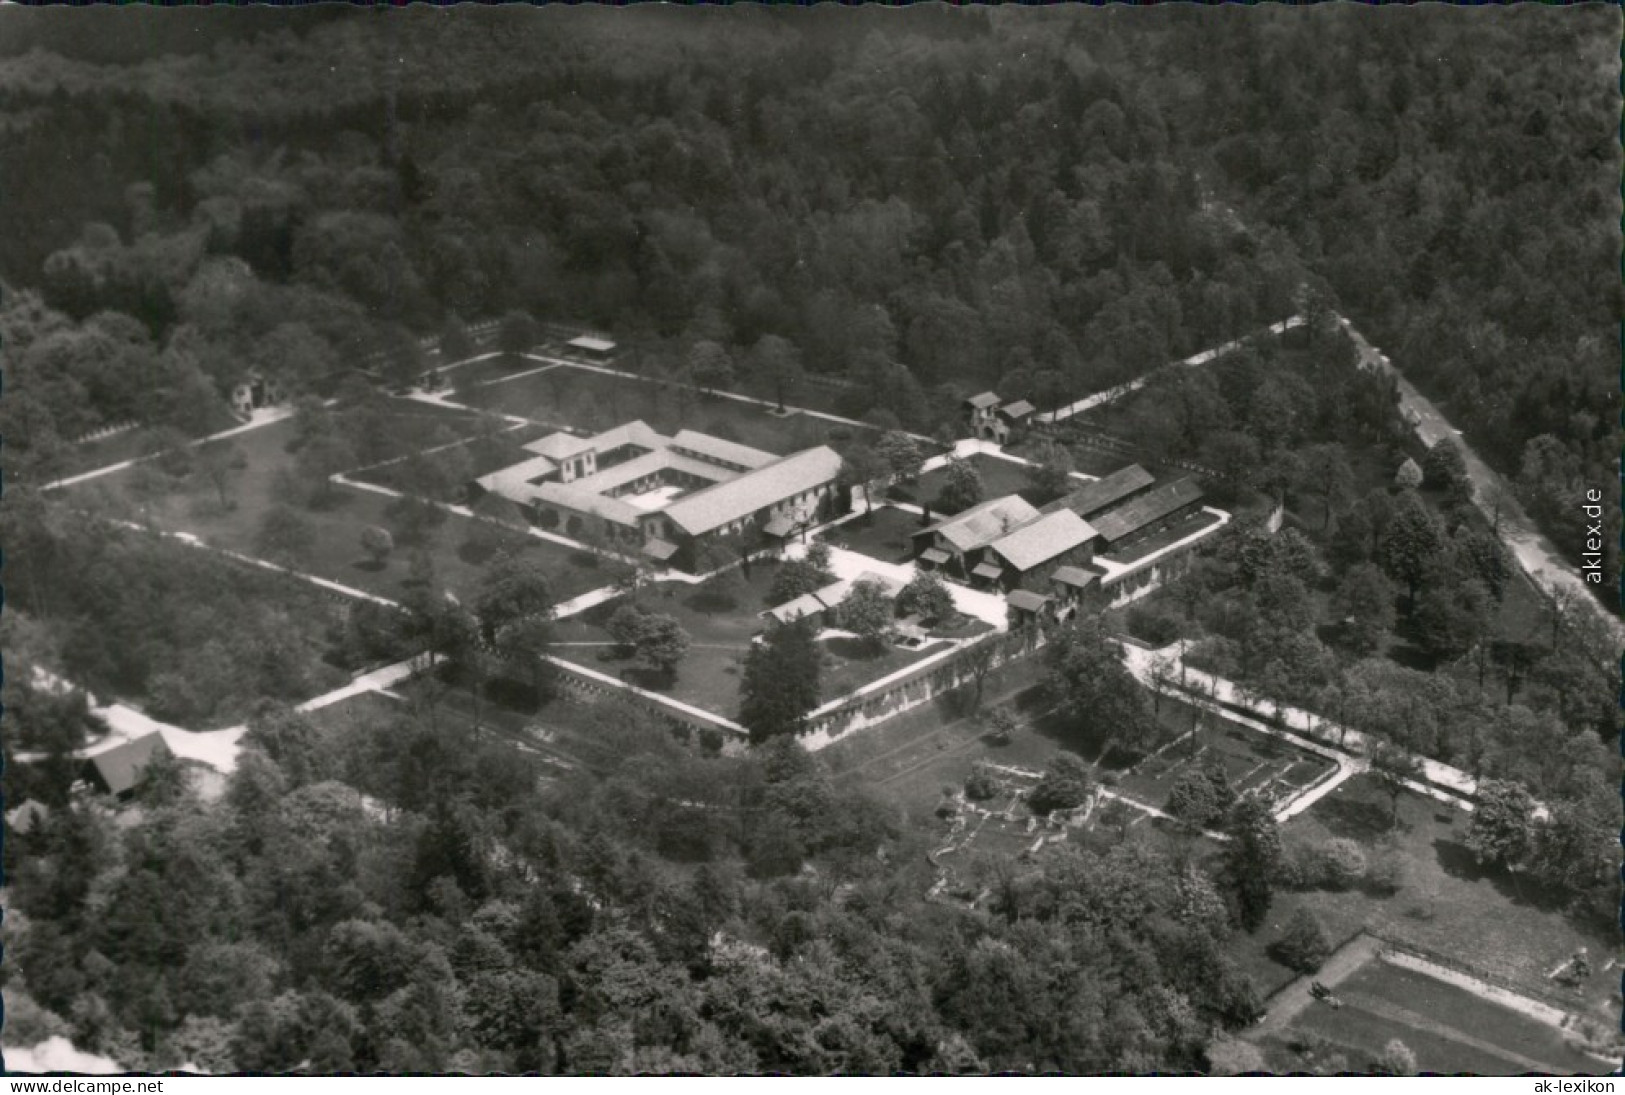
(669, 498)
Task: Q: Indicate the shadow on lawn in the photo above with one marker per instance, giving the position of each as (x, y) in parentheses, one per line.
(856, 650)
(1458, 861)
(1352, 818)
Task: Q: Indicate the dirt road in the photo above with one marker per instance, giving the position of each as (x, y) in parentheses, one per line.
(1551, 569)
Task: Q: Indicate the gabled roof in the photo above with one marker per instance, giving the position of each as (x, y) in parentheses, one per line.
(808, 604)
(637, 432)
(730, 452)
(120, 767)
(25, 817)
(1041, 540)
(1105, 492)
(560, 446)
(980, 525)
(1152, 506)
(573, 497)
(619, 475)
(1019, 409)
(711, 508)
(1076, 577)
(1026, 600)
(836, 593)
(982, 401)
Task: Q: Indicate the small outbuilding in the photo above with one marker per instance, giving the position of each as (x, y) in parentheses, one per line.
(117, 771)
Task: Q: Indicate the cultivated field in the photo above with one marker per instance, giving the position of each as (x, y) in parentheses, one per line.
(1448, 1028)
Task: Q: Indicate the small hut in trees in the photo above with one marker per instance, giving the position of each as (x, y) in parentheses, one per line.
(1409, 475)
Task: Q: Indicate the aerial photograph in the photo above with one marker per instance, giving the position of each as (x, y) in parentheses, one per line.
(811, 541)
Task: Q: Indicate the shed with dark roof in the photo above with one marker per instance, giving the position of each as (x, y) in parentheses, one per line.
(1146, 514)
(118, 770)
(1108, 491)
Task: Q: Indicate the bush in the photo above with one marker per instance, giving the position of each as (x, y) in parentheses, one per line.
(1154, 624)
(980, 784)
(1066, 785)
(1299, 868)
(1386, 874)
(1200, 798)
(1343, 864)
(1303, 946)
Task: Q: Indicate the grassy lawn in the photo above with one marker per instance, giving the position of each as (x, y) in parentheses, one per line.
(719, 638)
(999, 478)
(1089, 461)
(886, 534)
(1446, 904)
(1379, 998)
(467, 459)
(593, 401)
(849, 664)
(720, 635)
(90, 455)
(192, 505)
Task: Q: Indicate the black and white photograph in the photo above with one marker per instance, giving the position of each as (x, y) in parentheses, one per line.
(828, 541)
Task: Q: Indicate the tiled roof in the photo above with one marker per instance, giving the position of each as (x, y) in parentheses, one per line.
(808, 604)
(714, 507)
(1105, 492)
(1019, 409)
(983, 400)
(836, 593)
(980, 525)
(561, 445)
(1076, 577)
(630, 471)
(120, 767)
(570, 496)
(730, 452)
(1026, 600)
(514, 481)
(25, 817)
(1153, 506)
(1042, 540)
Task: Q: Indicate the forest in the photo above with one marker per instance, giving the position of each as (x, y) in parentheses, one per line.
(912, 205)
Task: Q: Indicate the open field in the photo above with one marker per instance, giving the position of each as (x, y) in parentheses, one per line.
(334, 552)
(720, 635)
(1087, 460)
(999, 477)
(1448, 1028)
(86, 456)
(1448, 903)
(585, 400)
(886, 534)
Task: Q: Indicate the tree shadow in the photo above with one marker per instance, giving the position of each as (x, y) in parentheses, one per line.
(855, 650)
(1458, 861)
(710, 600)
(476, 554)
(370, 566)
(1353, 818)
